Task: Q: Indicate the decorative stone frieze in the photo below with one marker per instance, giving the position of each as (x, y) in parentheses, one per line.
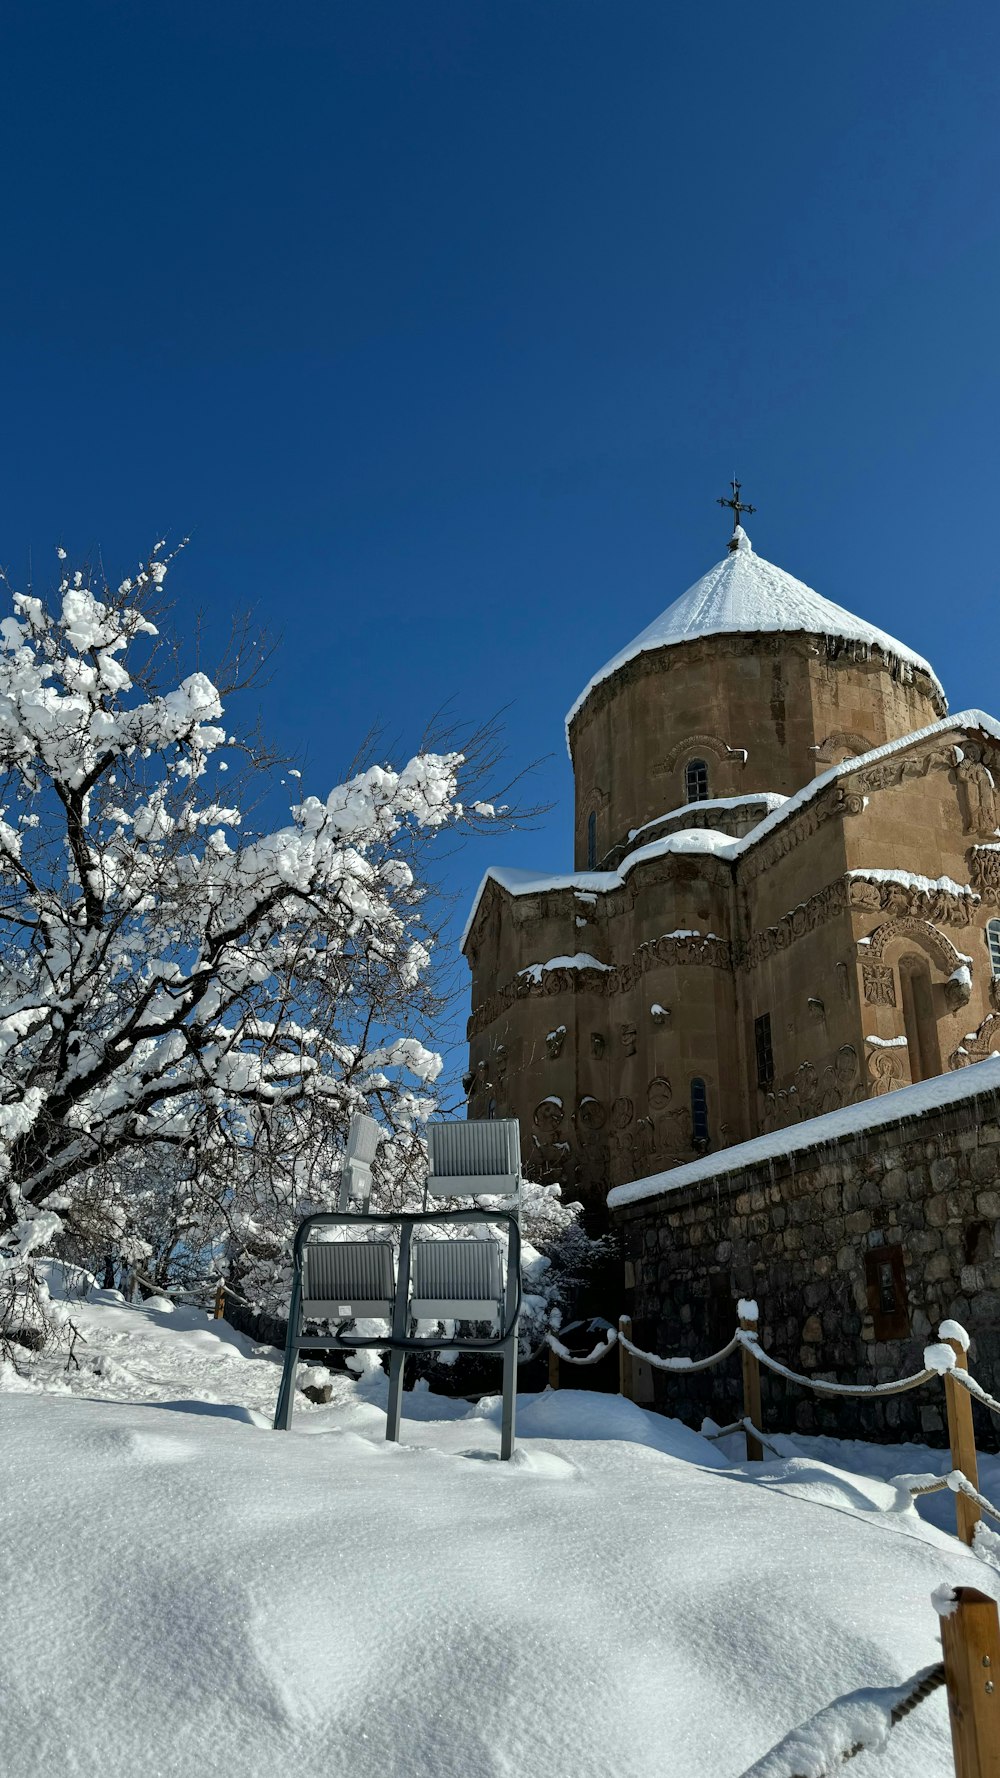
(715, 953)
(811, 1093)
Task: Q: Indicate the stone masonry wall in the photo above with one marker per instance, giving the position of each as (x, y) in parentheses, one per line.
(795, 1233)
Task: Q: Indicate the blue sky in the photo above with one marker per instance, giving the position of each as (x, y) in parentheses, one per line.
(441, 326)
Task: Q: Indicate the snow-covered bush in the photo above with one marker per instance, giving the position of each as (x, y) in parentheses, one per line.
(191, 1005)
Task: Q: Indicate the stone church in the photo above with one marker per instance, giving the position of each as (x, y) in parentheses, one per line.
(784, 899)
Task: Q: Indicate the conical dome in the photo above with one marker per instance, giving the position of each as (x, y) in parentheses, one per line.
(744, 593)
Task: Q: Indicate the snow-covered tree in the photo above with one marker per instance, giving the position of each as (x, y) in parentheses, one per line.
(190, 1005)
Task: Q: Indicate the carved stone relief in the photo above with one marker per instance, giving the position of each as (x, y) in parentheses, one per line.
(843, 743)
(554, 1043)
(714, 952)
(879, 983)
(597, 1044)
(984, 869)
(551, 1151)
(622, 1112)
(937, 943)
(659, 1093)
(979, 1044)
(958, 990)
(977, 794)
(696, 745)
(810, 1094)
(591, 1118)
(627, 1034)
(886, 1069)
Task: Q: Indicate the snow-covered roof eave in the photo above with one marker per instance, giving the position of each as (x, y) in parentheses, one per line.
(710, 842)
(526, 882)
(832, 1126)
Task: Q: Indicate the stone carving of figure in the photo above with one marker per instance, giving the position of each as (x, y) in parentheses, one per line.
(551, 1151)
(554, 1043)
(886, 1069)
(845, 1064)
(597, 1045)
(658, 1096)
(978, 797)
(591, 1118)
(628, 1039)
(622, 1139)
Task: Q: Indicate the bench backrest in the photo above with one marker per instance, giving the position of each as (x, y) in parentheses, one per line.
(472, 1157)
(347, 1278)
(455, 1280)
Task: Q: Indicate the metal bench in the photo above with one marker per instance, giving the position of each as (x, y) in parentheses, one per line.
(453, 1280)
(456, 1281)
(477, 1157)
(344, 1279)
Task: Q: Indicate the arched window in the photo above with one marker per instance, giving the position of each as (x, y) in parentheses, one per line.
(696, 781)
(993, 940)
(699, 1116)
(592, 842)
(919, 1019)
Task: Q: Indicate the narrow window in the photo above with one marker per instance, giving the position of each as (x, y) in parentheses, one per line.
(699, 1116)
(993, 940)
(765, 1055)
(696, 781)
(491, 1109)
(885, 1283)
(592, 841)
(919, 1020)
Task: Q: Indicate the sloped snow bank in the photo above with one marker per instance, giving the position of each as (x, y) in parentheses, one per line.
(183, 1591)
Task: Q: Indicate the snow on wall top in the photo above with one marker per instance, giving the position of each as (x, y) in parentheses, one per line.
(747, 594)
(768, 798)
(871, 1114)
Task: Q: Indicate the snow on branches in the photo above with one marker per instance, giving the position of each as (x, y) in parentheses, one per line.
(186, 1005)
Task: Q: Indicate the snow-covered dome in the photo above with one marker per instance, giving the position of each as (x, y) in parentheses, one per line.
(745, 593)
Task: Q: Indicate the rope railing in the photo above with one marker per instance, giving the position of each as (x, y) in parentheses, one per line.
(884, 1707)
(681, 1363)
(600, 1351)
(945, 1361)
(823, 1386)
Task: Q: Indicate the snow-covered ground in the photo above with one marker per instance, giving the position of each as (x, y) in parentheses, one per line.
(183, 1591)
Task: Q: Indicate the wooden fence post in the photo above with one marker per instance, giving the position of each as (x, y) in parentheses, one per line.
(751, 1386)
(220, 1302)
(962, 1439)
(553, 1368)
(970, 1639)
(625, 1359)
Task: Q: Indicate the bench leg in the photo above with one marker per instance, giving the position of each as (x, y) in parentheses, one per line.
(509, 1399)
(286, 1391)
(397, 1364)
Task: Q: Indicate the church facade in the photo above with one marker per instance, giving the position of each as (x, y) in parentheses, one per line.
(784, 900)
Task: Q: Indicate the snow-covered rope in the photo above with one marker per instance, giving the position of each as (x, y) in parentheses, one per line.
(960, 1484)
(600, 1351)
(975, 1389)
(228, 1290)
(744, 1337)
(682, 1363)
(860, 1721)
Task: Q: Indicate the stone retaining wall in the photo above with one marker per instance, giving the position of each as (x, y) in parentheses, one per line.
(828, 1239)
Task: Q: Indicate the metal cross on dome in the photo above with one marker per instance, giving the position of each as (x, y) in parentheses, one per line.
(736, 506)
